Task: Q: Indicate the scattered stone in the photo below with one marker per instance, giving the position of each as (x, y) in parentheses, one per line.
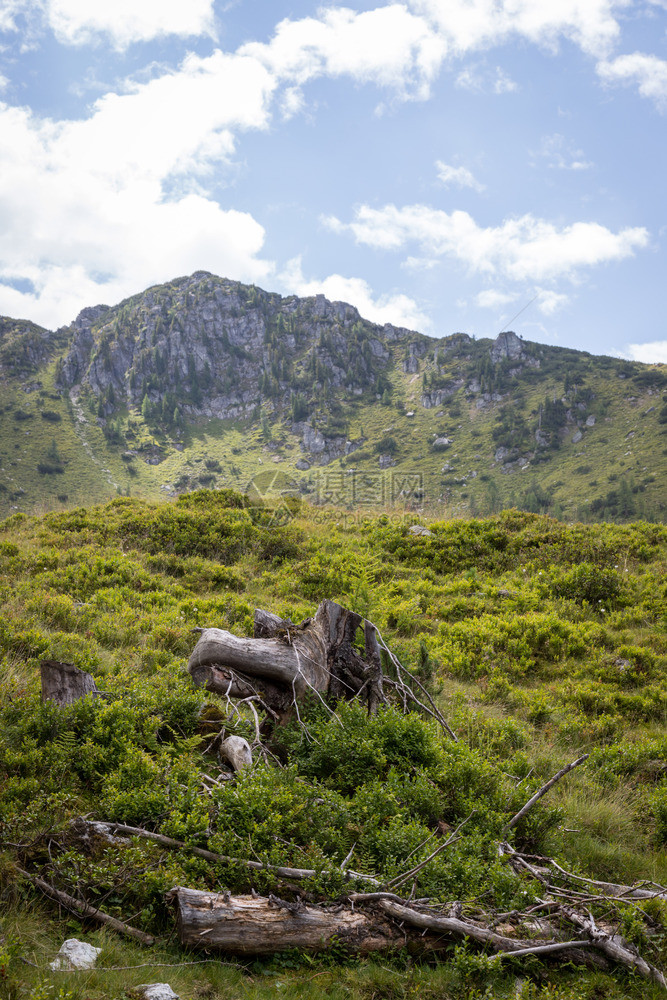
(155, 991)
(419, 529)
(237, 751)
(75, 954)
(64, 683)
(411, 413)
(590, 420)
(442, 443)
(576, 437)
(386, 461)
(302, 465)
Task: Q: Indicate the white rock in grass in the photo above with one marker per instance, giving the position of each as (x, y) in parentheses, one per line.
(237, 751)
(155, 991)
(75, 954)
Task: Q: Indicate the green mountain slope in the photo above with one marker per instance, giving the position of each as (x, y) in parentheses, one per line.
(208, 382)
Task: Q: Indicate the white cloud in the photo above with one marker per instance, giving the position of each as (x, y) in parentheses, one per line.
(504, 84)
(491, 298)
(522, 248)
(647, 72)
(650, 353)
(85, 209)
(79, 22)
(549, 302)
(469, 25)
(388, 46)
(460, 176)
(560, 154)
(399, 310)
(9, 9)
(480, 80)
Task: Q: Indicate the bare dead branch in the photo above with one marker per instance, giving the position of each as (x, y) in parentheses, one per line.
(542, 791)
(86, 910)
(160, 838)
(452, 839)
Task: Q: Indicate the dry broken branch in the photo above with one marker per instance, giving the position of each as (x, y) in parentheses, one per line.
(84, 909)
(540, 792)
(105, 828)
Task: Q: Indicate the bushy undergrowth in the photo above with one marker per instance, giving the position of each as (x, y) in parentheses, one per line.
(540, 640)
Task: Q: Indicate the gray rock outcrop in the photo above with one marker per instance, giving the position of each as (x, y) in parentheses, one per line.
(507, 345)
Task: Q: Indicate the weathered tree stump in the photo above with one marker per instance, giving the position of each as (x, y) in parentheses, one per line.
(284, 661)
(64, 683)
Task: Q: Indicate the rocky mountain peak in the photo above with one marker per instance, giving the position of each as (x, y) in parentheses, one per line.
(507, 345)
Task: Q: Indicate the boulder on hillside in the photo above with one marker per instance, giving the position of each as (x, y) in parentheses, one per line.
(75, 954)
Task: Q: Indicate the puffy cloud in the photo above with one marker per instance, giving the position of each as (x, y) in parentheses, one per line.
(78, 22)
(460, 176)
(469, 25)
(523, 248)
(94, 209)
(647, 72)
(491, 298)
(388, 46)
(549, 302)
(649, 353)
(400, 310)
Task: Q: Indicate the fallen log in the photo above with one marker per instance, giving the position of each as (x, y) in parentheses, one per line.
(258, 925)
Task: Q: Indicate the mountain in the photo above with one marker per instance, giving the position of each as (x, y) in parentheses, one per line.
(208, 382)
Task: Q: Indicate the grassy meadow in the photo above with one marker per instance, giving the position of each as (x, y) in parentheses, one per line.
(540, 640)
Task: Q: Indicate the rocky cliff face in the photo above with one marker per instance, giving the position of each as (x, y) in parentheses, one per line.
(221, 347)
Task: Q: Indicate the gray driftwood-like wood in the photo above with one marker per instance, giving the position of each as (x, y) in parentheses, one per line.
(284, 661)
(259, 925)
(64, 683)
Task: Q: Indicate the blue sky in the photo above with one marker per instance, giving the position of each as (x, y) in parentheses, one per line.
(441, 164)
